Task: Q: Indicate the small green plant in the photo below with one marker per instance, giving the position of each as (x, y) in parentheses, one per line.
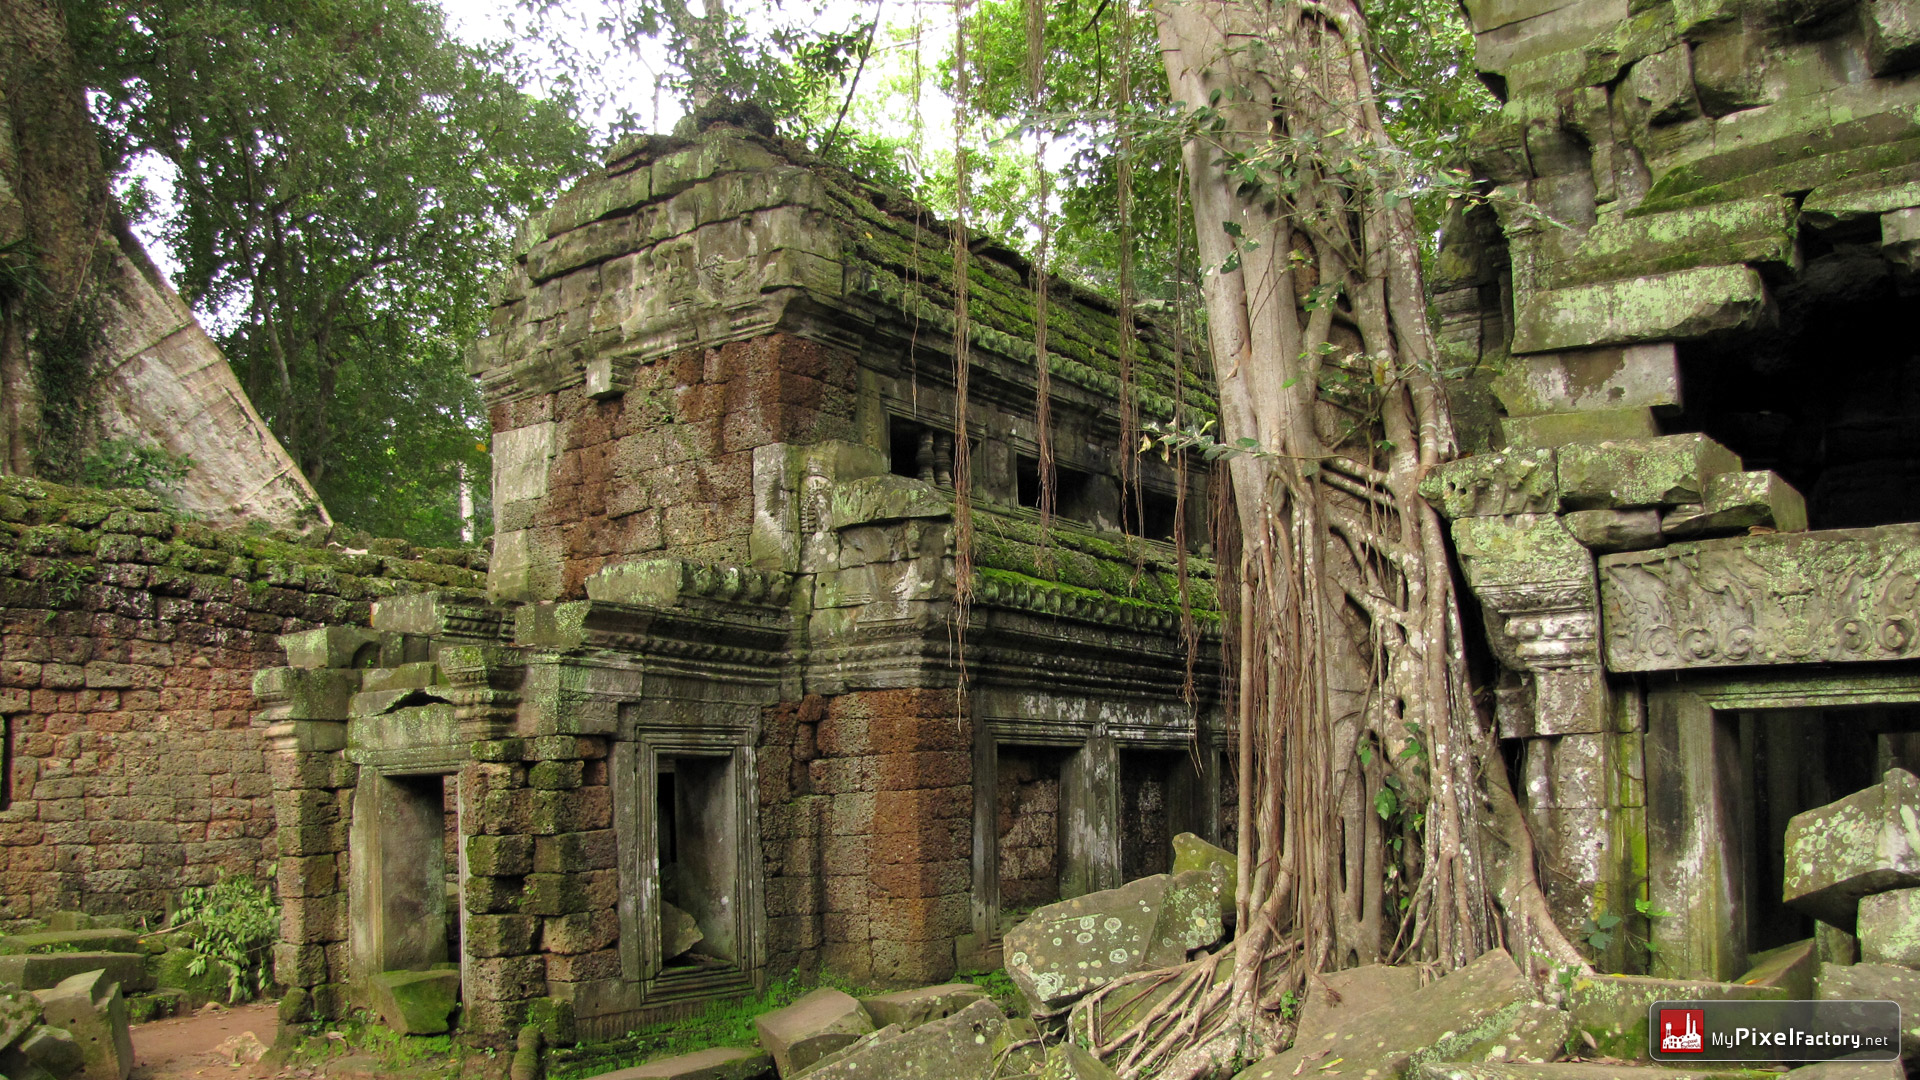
(132, 463)
(235, 922)
(65, 581)
(1599, 930)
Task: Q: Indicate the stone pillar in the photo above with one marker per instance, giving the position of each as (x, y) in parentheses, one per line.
(573, 889)
(1090, 818)
(501, 971)
(304, 713)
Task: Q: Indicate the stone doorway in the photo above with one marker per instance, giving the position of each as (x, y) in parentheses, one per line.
(1159, 799)
(698, 853)
(1027, 824)
(1729, 762)
(406, 873)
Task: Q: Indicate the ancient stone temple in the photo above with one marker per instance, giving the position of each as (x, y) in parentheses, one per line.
(709, 724)
(1691, 526)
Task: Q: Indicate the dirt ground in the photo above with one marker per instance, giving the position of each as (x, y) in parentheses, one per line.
(184, 1047)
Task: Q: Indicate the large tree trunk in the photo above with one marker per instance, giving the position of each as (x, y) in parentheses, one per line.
(1376, 819)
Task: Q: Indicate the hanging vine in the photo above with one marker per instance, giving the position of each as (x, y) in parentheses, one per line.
(962, 451)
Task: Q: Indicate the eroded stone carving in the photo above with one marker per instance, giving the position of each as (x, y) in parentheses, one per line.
(1841, 595)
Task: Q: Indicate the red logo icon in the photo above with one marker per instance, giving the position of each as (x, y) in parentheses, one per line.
(1680, 1031)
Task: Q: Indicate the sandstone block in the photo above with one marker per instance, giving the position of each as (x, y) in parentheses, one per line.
(1068, 1061)
(718, 1063)
(1065, 950)
(1335, 1000)
(71, 941)
(415, 1002)
(52, 1049)
(1550, 430)
(911, 1008)
(1789, 967)
(39, 971)
(969, 1045)
(1613, 1008)
(810, 1029)
(1889, 928)
(1671, 470)
(1893, 35)
(1657, 307)
(90, 1008)
(1608, 531)
(1866, 843)
(1192, 853)
(1875, 982)
(1383, 1043)
(1586, 1071)
(19, 1012)
(1736, 502)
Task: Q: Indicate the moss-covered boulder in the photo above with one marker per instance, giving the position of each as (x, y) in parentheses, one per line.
(173, 970)
(1192, 853)
(416, 1002)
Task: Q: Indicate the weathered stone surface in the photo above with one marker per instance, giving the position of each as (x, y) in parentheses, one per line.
(1067, 1061)
(718, 1063)
(1192, 853)
(1549, 430)
(1521, 481)
(1657, 307)
(119, 941)
(1338, 998)
(1868, 842)
(1889, 928)
(810, 1029)
(19, 1012)
(1816, 597)
(679, 931)
(1850, 1070)
(1893, 35)
(1738, 501)
(38, 971)
(1876, 982)
(1613, 1008)
(1789, 967)
(174, 969)
(1609, 531)
(1589, 1070)
(1832, 945)
(1670, 470)
(53, 1049)
(1383, 1043)
(1064, 950)
(911, 1008)
(416, 1002)
(90, 1008)
(972, 1044)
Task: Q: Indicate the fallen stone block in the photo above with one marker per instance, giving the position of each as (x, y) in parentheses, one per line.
(1336, 999)
(1612, 1009)
(911, 1008)
(1737, 502)
(1068, 1061)
(416, 1002)
(19, 1012)
(976, 1043)
(1065, 950)
(1876, 982)
(90, 1008)
(1889, 928)
(1609, 531)
(1832, 945)
(1588, 1070)
(1523, 1032)
(679, 931)
(810, 1029)
(1384, 1043)
(71, 941)
(1866, 843)
(54, 1050)
(1789, 967)
(1192, 853)
(41, 971)
(719, 1063)
(1130, 998)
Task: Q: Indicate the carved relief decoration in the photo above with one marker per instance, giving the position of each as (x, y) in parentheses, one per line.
(1822, 597)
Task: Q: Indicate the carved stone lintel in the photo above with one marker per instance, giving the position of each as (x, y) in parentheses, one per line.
(1822, 597)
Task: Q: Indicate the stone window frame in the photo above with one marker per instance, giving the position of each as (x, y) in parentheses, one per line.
(1689, 829)
(634, 766)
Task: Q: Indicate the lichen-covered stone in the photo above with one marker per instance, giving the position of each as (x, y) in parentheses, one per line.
(810, 1029)
(1671, 470)
(1192, 853)
(38, 971)
(976, 1043)
(1064, 950)
(911, 1008)
(89, 1006)
(1336, 999)
(416, 1002)
(1068, 1061)
(1738, 501)
(679, 931)
(1589, 1070)
(1609, 531)
(1519, 481)
(103, 940)
(1876, 982)
(1656, 307)
(1866, 843)
(1889, 928)
(1383, 1043)
(1550, 430)
(1612, 1009)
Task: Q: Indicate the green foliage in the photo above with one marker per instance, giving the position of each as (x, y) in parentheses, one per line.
(235, 922)
(132, 463)
(723, 1023)
(65, 582)
(347, 176)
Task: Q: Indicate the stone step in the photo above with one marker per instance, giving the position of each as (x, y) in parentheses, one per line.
(40, 971)
(71, 941)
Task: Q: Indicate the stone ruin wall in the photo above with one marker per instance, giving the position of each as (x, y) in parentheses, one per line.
(1694, 206)
(129, 641)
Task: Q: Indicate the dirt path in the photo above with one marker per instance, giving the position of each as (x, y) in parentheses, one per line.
(182, 1047)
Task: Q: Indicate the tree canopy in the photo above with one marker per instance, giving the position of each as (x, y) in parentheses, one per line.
(346, 176)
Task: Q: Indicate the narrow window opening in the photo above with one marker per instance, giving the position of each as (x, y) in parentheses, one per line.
(1157, 513)
(699, 848)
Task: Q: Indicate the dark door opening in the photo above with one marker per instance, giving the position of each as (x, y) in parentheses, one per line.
(1027, 812)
